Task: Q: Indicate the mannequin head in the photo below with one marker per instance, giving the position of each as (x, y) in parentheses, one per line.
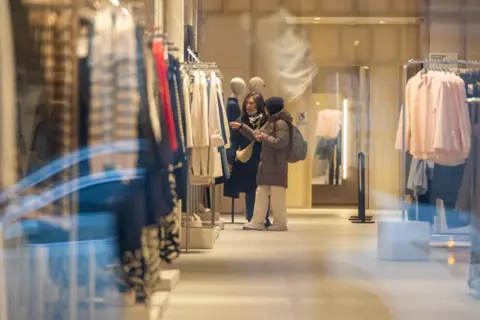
(256, 84)
(238, 87)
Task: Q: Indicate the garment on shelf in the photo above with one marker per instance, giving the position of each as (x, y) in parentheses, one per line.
(437, 125)
(329, 123)
(420, 173)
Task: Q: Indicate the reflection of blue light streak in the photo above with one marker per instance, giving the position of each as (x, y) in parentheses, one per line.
(73, 158)
(31, 203)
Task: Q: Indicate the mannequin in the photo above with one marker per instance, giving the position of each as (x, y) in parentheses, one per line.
(256, 84)
(238, 87)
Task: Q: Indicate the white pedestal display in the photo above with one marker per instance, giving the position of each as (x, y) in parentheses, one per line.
(154, 311)
(170, 279)
(207, 216)
(199, 238)
(403, 240)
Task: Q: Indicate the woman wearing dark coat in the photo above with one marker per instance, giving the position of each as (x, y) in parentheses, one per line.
(244, 171)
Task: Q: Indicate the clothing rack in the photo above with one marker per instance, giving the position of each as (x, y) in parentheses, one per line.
(195, 63)
(196, 192)
(435, 63)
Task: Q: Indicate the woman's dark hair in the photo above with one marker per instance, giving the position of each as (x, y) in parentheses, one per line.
(259, 103)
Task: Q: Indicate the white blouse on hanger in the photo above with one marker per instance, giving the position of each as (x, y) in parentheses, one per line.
(200, 132)
(187, 111)
(215, 128)
(329, 123)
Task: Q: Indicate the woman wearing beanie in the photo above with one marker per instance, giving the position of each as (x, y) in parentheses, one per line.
(244, 155)
(272, 174)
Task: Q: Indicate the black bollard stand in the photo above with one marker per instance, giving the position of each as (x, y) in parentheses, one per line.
(361, 217)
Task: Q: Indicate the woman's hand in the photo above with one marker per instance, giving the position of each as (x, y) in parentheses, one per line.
(235, 125)
(258, 136)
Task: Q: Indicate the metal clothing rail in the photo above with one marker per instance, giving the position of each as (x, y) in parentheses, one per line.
(406, 67)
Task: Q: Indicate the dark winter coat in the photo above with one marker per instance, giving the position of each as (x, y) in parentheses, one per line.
(275, 137)
(243, 176)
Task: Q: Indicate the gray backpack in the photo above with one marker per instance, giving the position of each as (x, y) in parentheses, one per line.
(298, 145)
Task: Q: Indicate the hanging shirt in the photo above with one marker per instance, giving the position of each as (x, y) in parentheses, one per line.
(329, 122)
(437, 124)
(161, 66)
(187, 111)
(200, 126)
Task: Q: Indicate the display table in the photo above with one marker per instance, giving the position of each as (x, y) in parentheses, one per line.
(403, 240)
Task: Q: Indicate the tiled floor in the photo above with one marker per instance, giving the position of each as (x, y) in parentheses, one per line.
(323, 268)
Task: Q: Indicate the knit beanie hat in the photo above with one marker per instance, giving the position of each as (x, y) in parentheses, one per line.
(274, 105)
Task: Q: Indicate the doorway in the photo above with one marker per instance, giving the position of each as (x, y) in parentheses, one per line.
(341, 99)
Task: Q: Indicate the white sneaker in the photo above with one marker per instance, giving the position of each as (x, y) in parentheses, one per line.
(254, 226)
(275, 227)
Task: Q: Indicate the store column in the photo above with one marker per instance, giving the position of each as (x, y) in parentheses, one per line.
(174, 25)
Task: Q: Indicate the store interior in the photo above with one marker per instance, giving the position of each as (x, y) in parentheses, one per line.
(115, 149)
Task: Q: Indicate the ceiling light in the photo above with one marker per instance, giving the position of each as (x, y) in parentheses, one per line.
(366, 67)
(382, 22)
(317, 18)
(317, 103)
(356, 43)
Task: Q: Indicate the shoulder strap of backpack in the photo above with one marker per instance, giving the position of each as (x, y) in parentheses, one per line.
(290, 136)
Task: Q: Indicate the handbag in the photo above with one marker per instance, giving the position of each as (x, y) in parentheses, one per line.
(245, 154)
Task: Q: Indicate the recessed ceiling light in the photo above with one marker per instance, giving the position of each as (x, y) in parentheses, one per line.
(317, 103)
(317, 18)
(366, 67)
(382, 22)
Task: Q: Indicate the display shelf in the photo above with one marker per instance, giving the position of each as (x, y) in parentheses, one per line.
(154, 311)
(207, 216)
(170, 279)
(219, 223)
(200, 238)
(403, 241)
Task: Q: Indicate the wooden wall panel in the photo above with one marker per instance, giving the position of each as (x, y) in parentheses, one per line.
(237, 5)
(301, 6)
(266, 5)
(445, 35)
(374, 7)
(410, 43)
(364, 49)
(211, 5)
(336, 7)
(325, 43)
(445, 6)
(355, 45)
(406, 8)
(472, 7)
(227, 43)
(471, 40)
(348, 44)
(385, 44)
